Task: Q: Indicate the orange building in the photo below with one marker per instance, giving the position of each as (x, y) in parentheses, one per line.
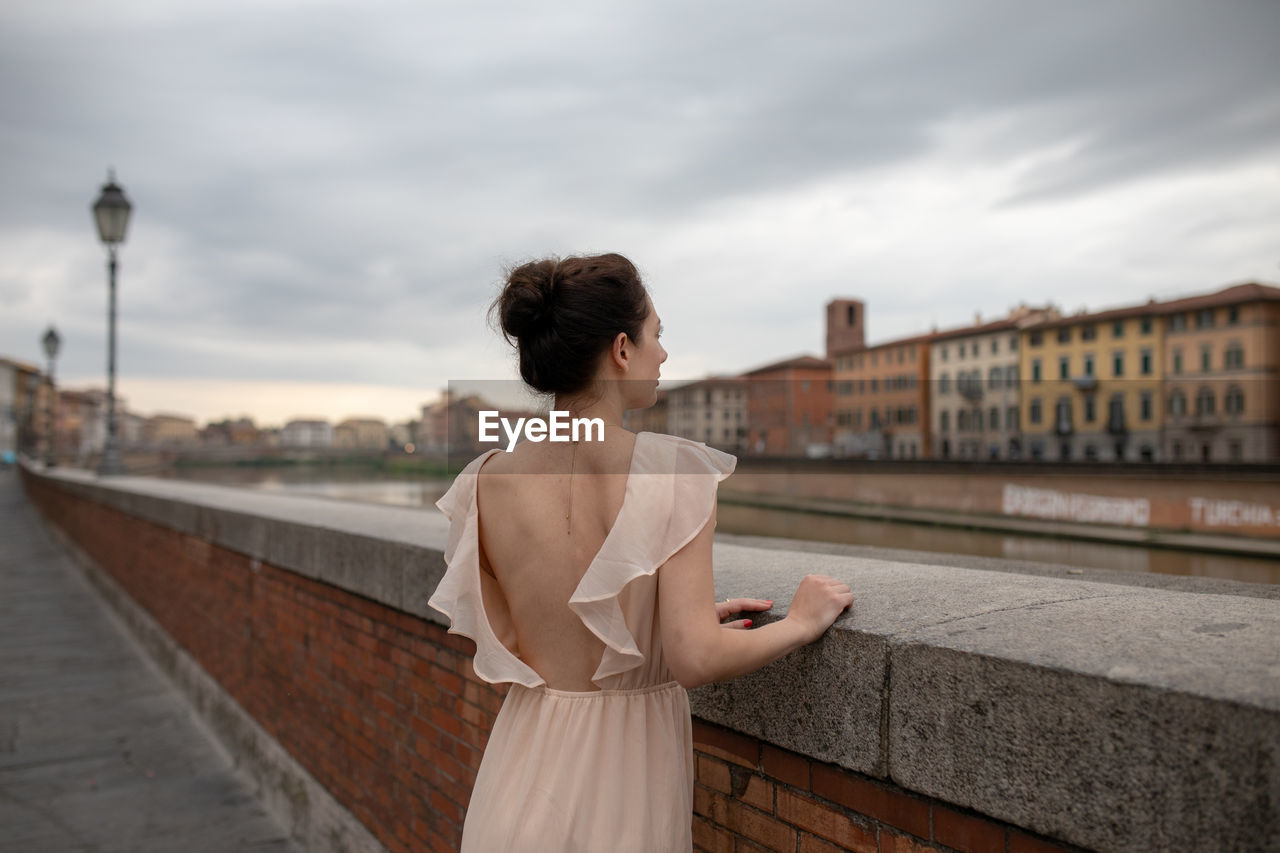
(1222, 376)
(789, 408)
(882, 401)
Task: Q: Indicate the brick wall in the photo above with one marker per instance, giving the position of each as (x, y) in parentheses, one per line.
(384, 709)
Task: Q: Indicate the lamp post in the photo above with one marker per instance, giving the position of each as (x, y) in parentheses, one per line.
(51, 343)
(111, 212)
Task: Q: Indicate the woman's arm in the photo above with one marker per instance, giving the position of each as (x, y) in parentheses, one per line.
(699, 650)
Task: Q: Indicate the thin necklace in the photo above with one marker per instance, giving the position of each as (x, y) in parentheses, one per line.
(568, 524)
(568, 513)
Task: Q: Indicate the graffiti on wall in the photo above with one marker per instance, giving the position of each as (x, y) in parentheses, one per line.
(1073, 506)
(1211, 512)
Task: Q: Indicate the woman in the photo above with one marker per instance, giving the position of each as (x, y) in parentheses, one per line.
(582, 571)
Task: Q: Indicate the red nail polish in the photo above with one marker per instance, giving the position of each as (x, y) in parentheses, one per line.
(747, 624)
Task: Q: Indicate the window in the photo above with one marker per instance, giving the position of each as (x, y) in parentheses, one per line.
(993, 418)
(1090, 410)
(1115, 413)
(975, 347)
(1117, 364)
(1206, 358)
(944, 353)
(901, 355)
(977, 420)
(1064, 367)
(1034, 339)
(995, 346)
(1064, 335)
(1204, 402)
(1177, 360)
(1034, 414)
(1011, 376)
(1233, 315)
(1063, 414)
(1177, 451)
(875, 385)
(1089, 333)
(1204, 319)
(1233, 403)
(960, 352)
(1035, 370)
(1088, 364)
(1233, 358)
(994, 377)
(944, 384)
(1177, 403)
(1146, 362)
(1178, 322)
(1147, 405)
(1013, 343)
(1117, 329)
(1011, 418)
(962, 421)
(1146, 326)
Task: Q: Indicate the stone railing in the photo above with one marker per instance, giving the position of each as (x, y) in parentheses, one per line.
(955, 708)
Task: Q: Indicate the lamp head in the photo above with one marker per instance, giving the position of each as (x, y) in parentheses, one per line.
(51, 343)
(111, 212)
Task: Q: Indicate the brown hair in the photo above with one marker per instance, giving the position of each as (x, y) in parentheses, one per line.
(562, 314)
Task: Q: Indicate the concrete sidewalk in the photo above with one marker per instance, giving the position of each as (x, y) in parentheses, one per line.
(98, 752)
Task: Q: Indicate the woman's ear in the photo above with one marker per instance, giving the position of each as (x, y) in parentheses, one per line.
(620, 352)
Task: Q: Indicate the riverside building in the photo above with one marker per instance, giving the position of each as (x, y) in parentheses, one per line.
(974, 385)
(1092, 386)
(1221, 367)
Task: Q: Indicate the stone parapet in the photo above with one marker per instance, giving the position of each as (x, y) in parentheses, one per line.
(1003, 705)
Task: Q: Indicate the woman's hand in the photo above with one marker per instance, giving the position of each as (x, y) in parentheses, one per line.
(725, 609)
(819, 601)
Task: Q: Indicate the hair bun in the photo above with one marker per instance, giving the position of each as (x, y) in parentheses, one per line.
(525, 306)
(564, 313)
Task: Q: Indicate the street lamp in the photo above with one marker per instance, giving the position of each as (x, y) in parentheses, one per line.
(111, 212)
(51, 343)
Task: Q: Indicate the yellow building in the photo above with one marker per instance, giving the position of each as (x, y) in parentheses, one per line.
(170, 430)
(1091, 386)
(362, 433)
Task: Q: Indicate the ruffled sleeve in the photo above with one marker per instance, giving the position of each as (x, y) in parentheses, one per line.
(670, 497)
(460, 594)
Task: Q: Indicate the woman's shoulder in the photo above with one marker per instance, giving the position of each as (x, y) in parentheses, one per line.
(678, 455)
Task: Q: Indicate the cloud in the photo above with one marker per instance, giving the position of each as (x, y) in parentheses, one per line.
(330, 191)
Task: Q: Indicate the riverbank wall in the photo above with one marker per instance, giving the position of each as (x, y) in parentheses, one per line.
(1232, 501)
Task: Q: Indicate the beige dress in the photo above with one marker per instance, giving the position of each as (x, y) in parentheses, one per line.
(610, 770)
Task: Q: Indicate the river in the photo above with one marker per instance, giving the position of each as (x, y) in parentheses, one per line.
(361, 485)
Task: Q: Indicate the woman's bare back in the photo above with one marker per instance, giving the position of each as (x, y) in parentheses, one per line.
(538, 556)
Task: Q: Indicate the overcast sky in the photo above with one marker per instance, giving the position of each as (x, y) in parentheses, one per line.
(325, 193)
